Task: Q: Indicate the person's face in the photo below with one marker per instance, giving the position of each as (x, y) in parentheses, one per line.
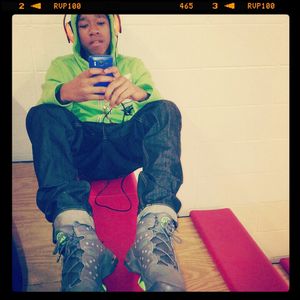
(94, 33)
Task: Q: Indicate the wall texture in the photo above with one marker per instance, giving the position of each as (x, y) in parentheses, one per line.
(228, 74)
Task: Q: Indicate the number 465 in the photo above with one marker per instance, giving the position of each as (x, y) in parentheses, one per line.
(188, 5)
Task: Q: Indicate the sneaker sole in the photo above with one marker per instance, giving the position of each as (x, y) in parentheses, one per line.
(132, 264)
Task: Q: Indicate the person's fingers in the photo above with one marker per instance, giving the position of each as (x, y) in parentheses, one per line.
(100, 78)
(114, 70)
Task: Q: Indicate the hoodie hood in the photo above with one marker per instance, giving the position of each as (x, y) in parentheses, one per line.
(77, 44)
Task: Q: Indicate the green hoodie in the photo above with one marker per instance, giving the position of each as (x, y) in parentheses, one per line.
(65, 68)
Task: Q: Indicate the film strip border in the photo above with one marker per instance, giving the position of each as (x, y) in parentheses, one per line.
(149, 7)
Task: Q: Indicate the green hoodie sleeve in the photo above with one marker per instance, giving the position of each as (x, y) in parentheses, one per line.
(55, 77)
(141, 77)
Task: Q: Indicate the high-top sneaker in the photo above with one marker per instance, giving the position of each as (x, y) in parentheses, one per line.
(152, 255)
(86, 262)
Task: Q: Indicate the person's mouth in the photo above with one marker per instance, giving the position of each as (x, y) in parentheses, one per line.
(96, 42)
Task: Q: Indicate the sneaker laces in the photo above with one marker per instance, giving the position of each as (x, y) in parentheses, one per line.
(70, 241)
(164, 236)
(65, 241)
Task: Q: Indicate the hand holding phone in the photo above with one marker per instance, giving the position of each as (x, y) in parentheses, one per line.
(103, 62)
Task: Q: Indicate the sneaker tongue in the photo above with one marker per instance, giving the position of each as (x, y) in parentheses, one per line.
(61, 237)
(164, 220)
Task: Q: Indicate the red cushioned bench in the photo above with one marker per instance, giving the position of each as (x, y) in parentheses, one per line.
(115, 205)
(285, 263)
(241, 262)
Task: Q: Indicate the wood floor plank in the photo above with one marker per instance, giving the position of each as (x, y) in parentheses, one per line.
(23, 170)
(53, 286)
(197, 267)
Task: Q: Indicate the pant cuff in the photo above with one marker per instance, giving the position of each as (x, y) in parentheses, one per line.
(68, 217)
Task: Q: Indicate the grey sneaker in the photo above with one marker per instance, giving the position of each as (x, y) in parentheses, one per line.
(86, 262)
(152, 255)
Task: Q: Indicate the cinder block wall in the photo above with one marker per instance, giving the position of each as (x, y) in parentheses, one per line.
(228, 74)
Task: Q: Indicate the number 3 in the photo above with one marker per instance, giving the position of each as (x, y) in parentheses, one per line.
(215, 5)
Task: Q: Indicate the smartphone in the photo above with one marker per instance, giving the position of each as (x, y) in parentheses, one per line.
(103, 62)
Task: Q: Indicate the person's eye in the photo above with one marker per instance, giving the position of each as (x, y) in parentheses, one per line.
(83, 26)
(101, 23)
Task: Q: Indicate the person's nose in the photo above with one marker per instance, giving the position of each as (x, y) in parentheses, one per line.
(94, 30)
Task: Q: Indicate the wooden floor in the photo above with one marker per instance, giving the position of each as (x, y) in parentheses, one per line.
(34, 238)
